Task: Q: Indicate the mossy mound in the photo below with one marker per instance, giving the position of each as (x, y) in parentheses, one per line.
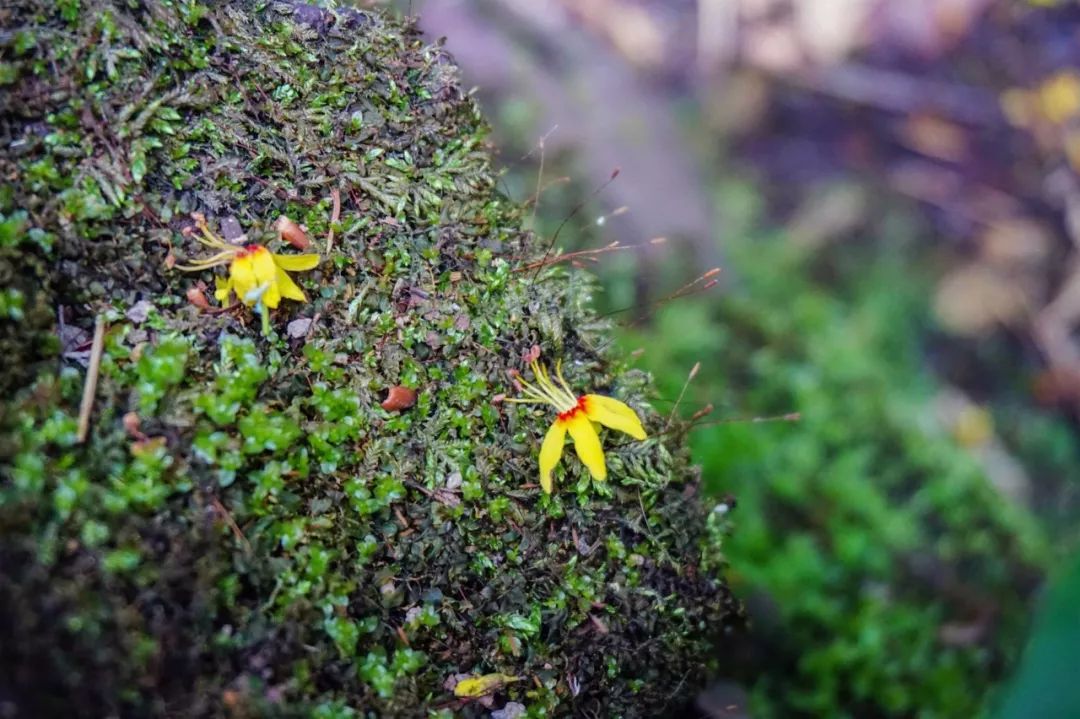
(246, 531)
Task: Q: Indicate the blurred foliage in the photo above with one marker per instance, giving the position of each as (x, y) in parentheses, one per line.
(885, 576)
(1045, 685)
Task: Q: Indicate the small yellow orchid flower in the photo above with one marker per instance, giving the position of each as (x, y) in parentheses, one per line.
(576, 416)
(476, 687)
(256, 275)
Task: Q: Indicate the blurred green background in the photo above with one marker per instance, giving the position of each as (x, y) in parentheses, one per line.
(891, 190)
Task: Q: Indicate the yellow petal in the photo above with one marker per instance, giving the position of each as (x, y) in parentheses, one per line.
(242, 277)
(224, 287)
(263, 265)
(253, 274)
(272, 297)
(615, 414)
(551, 452)
(296, 263)
(587, 444)
(288, 288)
(479, 686)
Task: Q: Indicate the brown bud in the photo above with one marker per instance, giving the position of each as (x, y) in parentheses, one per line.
(230, 698)
(399, 398)
(131, 425)
(292, 233)
(196, 297)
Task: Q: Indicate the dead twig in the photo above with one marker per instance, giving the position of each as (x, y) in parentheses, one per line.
(701, 284)
(590, 254)
(573, 213)
(311, 327)
(90, 386)
(227, 516)
(335, 215)
(682, 393)
(901, 92)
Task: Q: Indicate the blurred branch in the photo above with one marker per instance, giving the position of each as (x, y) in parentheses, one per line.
(902, 93)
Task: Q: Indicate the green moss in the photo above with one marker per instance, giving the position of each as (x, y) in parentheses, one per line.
(266, 538)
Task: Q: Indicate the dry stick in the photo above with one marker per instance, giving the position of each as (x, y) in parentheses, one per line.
(689, 379)
(311, 327)
(233, 526)
(900, 92)
(90, 386)
(590, 254)
(788, 417)
(702, 283)
(599, 221)
(335, 195)
(539, 184)
(707, 410)
(539, 146)
(561, 180)
(577, 208)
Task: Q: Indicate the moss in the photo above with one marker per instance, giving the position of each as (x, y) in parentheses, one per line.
(246, 530)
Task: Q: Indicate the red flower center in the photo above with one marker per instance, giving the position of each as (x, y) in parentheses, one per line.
(250, 250)
(569, 414)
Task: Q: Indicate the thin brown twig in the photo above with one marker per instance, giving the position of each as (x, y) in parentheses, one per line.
(227, 516)
(335, 215)
(90, 386)
(539, 184)
(704, 282)
(899, 92)
(707, 410)
(588, 254)
(561, 180)
(311, 327)
(573, 213)
(788, 417)
(682, 393)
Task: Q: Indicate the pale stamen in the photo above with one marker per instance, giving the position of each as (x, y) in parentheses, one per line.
(221, 258)
(545, 391)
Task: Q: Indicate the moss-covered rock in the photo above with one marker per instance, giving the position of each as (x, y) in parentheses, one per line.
(246, 531)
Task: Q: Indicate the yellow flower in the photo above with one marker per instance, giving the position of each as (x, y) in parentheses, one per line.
(475, 687)
(256, 274)
(1059, 97)
(576, 415)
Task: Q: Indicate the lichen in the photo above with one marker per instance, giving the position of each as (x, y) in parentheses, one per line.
(247, 531)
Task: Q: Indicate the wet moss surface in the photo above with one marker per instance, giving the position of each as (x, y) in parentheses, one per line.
(246, 531)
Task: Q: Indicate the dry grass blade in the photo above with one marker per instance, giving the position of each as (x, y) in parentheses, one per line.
(90, 386)
(335, 215)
